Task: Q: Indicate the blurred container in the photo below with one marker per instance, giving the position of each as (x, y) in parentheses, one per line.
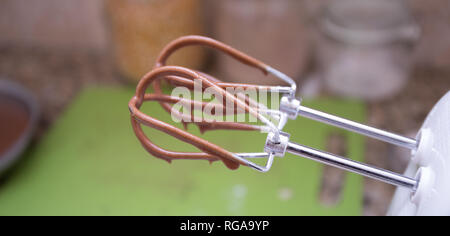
(365, 47)
(19, 114)
(274, 32)
(141, 28)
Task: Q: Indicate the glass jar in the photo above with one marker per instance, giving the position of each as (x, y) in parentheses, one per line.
(365, 47)
(141, 28)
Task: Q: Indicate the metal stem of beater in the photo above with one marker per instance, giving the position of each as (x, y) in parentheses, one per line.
(294, 107)
(357, 128)
(352, 166)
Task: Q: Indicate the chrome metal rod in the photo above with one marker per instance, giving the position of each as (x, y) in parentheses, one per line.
(352, 166)
(358, 128)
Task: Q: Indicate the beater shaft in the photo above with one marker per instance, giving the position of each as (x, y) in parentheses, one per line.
(357, 127)
(352, 166)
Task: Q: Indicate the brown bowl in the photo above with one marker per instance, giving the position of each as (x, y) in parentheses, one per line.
(18, 119)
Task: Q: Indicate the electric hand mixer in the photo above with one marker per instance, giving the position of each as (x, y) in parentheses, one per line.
(423, 190)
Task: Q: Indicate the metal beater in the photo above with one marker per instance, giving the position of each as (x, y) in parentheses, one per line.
(277, 142)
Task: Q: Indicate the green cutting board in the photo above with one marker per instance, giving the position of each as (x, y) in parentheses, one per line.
(90, 163)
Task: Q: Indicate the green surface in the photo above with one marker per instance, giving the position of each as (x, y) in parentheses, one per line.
(90, 163)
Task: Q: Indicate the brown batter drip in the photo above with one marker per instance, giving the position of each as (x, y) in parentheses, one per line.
(179, 76)
(14, 120)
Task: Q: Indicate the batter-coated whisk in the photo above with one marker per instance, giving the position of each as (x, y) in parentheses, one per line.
(272, 120)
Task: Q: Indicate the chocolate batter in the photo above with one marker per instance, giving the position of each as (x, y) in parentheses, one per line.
(14, 119)
(184, 77)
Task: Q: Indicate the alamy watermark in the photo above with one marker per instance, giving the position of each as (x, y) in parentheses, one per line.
(219, 108)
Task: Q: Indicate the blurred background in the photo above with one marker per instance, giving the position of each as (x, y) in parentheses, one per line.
(394, 56)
